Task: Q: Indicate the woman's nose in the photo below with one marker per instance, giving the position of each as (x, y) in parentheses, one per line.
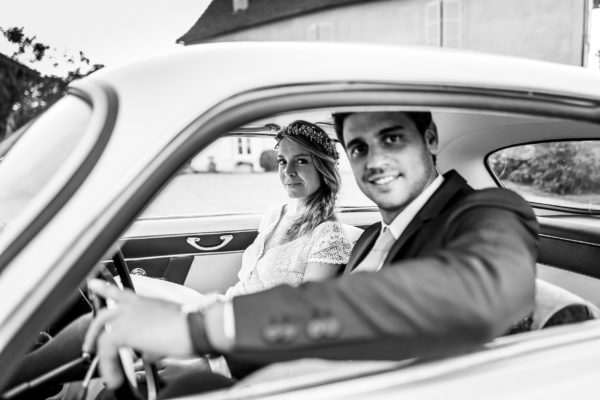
(290, 170)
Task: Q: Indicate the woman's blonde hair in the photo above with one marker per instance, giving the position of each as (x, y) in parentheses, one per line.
(320, 205)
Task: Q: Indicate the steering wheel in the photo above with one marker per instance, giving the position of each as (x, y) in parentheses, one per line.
(129, 389)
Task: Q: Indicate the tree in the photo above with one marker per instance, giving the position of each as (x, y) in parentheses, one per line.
(26, 92)
(268, 160)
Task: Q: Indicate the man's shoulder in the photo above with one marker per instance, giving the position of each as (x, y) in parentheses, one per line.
(495, 198)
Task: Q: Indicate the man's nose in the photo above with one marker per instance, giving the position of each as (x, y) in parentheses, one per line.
(376, 159)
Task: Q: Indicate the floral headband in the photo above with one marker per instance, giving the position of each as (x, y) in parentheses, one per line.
(311, 132)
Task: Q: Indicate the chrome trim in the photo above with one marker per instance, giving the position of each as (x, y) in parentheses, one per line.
(138, 271)
(193, 241)
(569, 240)
(179, 255)
(127, 238)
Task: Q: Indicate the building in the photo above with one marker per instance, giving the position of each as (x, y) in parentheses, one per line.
(551, 30)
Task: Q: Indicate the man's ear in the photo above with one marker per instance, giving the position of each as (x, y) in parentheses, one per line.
(431, 140)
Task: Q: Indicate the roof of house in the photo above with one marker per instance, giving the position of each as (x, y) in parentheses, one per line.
(219, 17)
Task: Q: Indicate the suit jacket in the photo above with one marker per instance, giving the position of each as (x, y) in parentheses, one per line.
(460, 274)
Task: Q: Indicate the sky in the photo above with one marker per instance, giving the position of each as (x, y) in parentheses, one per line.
(114, 32)
(109, 32)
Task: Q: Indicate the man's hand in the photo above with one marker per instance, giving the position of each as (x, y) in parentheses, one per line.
(154, 327)
(171, 368)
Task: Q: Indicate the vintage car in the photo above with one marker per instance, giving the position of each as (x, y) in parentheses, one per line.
(107, 169)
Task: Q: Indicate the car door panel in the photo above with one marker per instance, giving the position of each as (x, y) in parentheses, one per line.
(569, 250)
(167, 248)
(203, 253)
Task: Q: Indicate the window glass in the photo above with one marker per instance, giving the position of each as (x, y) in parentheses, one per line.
(39, 154)
(565, 173)
(237, 175)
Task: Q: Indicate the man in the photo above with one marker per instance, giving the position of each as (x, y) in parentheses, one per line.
(449, 267)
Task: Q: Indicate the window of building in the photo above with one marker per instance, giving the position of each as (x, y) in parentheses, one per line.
(322, 31)
(443, 23)
(240, 5)
(563, 174)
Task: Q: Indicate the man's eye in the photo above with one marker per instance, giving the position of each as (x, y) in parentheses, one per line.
(392, 139)
(281, 162)
(358, 151)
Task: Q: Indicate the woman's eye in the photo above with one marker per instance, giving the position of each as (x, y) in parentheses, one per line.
(302, 161)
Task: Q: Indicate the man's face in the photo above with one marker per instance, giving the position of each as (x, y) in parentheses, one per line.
(390, 159)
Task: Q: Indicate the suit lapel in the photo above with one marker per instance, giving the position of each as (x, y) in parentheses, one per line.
(453, 182)
(362, 246)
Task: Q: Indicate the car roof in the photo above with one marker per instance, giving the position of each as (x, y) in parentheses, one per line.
(163, 95)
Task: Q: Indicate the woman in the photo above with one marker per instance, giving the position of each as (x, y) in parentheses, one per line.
(300, 241)
(297, 242)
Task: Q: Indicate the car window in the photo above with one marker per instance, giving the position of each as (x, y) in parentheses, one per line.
(564, 173)
(237, 174)
(38, 154)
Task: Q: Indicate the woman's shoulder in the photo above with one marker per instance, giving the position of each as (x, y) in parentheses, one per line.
(337, 229)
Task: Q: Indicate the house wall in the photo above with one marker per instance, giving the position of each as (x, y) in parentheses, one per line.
(551, 30)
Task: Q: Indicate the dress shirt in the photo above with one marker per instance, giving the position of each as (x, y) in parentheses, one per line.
(390, 233)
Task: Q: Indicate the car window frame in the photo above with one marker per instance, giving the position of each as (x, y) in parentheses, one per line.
(535, 204)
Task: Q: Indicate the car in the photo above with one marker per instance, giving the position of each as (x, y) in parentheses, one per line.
(106, 171)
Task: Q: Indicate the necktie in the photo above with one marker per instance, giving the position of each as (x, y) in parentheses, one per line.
(374, 260)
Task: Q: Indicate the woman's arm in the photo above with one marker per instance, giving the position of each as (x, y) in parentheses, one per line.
(320, 271)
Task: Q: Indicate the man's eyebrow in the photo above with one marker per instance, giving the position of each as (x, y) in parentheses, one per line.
(353, 142)
(391, 129)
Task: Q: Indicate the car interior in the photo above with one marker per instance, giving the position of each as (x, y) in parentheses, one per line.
(166, 246)
(199, 245)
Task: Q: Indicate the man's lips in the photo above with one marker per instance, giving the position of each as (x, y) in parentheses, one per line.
(381, 180)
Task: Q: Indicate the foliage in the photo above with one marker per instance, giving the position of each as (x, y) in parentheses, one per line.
(559, 167)
(25, 92)
(268, 160)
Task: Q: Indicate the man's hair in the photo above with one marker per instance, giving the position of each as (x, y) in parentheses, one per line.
(421, 119)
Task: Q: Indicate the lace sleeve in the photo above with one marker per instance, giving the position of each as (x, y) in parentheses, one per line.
(330, 244)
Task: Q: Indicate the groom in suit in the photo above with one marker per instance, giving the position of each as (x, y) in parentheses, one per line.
(448, 267)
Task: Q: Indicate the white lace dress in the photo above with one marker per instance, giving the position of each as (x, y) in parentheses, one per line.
(270, 261)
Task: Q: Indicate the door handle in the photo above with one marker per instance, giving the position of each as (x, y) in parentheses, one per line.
(193, 241)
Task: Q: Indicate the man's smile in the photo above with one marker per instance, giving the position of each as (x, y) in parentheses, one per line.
(381, 179)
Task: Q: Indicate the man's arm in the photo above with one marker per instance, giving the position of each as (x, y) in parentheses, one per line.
(467, 292)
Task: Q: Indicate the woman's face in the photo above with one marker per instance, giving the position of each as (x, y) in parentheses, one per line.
(297, 171)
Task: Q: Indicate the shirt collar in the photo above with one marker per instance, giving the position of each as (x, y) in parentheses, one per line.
(399, 224)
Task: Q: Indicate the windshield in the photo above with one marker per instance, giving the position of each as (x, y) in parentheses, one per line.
(32, 162)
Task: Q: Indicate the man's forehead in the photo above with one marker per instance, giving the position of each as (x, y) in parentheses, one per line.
(370, 123)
